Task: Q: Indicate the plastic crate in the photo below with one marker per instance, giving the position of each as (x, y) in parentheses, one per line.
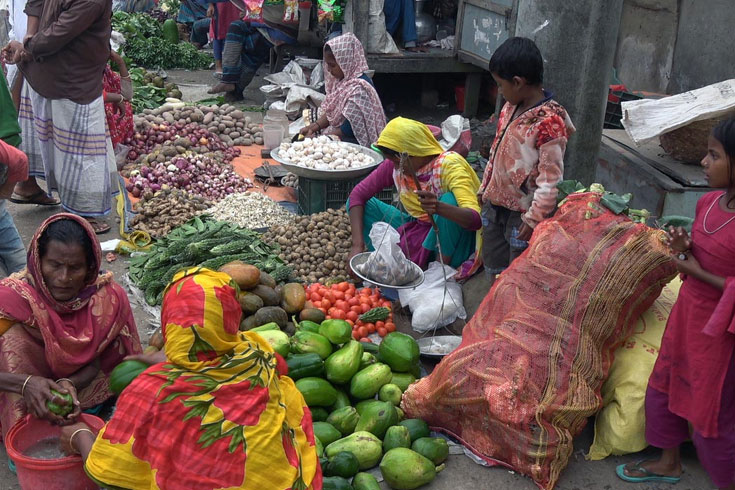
(316, 196)
(614, 111)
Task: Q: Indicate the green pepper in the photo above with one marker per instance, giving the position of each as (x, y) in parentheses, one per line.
(61, 410)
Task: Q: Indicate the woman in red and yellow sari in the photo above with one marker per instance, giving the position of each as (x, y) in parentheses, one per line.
(218, 413)
(64, 324)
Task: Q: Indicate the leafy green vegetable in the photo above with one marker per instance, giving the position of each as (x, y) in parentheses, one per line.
(676, 221)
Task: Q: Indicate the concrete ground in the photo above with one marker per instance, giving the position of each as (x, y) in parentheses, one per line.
(461, 473)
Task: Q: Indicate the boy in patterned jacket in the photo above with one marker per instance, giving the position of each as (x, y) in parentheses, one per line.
(526, 161)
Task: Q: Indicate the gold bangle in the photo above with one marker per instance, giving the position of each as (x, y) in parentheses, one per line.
(23, 389)
(71, 439)
(66, 379)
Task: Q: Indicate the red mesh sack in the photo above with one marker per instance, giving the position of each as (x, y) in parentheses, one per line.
(533, 358)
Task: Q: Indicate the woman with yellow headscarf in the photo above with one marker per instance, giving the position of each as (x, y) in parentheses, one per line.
(447, 191)
(216, 414)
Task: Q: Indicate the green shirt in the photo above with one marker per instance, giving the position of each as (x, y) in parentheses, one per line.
(9, 127)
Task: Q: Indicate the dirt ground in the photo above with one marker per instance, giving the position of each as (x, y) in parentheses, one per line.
(461, 473)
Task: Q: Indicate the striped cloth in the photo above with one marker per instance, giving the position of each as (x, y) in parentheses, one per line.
(68, 146)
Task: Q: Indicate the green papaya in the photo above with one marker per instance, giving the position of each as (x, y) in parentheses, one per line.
(404, 469)
(377, 418)
(319, 414)
(396, 436)
(416, 427)
(304, 342)
(266, 327)
(278, 340)
(342, 401)
(367, 360)
(304, 365)
(366, 383)
(364, 445)
(403, 380)
(344, 464)
(326, 432)
(124, 374)
(337, 331)
(361, 406)
(390, 393)
(317, 392)
(319, 447)
(399, 351)
(401, 414)
(335, 483)
(344, 420)
(308, 326)
(434, 449)
(170, 31)
(64, 409)
(342, 365)
(365, 481)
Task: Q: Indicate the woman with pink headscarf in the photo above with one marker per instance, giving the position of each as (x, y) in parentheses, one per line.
(352, 109)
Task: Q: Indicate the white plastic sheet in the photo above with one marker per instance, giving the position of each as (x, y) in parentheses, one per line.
(646, 119)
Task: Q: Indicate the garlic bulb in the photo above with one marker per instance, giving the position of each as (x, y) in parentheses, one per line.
(323, 153)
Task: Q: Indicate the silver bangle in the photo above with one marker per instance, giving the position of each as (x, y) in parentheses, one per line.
(682, 256)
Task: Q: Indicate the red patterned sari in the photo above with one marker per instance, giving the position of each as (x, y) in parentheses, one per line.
(119, 123)
(43, 337)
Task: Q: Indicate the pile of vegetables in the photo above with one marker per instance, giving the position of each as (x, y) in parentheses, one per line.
(150, 90)
(365, 310)
(200, 176)
(160, 212)
(206, 243)
(354, 390)
(322, 153)
(228, 123)
(146, 45)
(614, 202)
(316, 246)
(250, 210)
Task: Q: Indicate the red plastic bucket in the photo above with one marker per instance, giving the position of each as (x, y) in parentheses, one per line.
(65, 473)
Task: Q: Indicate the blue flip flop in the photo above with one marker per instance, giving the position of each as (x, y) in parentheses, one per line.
(649, 476)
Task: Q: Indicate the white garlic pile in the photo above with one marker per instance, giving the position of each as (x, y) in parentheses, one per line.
(322, 153)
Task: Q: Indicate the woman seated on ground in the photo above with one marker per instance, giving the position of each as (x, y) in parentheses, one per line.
(217, 414)
(117, 94)
(352, 109)
(64, 324)
(448, 192)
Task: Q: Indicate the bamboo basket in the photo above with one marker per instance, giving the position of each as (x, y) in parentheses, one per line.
(689, 144)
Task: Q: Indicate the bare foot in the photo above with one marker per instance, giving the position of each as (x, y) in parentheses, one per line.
(221, 87)
(656, 467)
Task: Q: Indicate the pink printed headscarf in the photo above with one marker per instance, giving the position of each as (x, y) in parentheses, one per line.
(352, 98)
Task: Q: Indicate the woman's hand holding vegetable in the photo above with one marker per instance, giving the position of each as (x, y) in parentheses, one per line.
(678, 240)
(68, 385)
(37, 393)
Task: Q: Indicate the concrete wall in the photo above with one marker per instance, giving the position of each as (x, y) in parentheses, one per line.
(646, 40)
(578, 45)
(671, 46)
(705, 52)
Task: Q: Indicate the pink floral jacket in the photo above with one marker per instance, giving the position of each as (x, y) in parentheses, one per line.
(527, 160)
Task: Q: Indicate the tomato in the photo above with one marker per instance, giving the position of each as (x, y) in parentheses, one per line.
(331, 310)
(330, 296)
(338, 314)
(339, 295)
(364, 307)
(385, 303)
(356, 335)
(379, 324)
(390, 327)
(365, 291)
(342, 305)
(365, 299)
(382, 332)
(351, 316)
(363, 331)
(351, 322)
(370, 327)
(353, 301)
(323, 310)
(343, 286)
(326, 304)
(317, 304)
(365, 339)
(315, 296)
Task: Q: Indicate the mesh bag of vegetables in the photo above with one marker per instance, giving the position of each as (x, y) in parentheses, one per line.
(533, 359)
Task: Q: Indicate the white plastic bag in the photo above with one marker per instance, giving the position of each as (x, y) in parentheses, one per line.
(435, 303)
(387, 264)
